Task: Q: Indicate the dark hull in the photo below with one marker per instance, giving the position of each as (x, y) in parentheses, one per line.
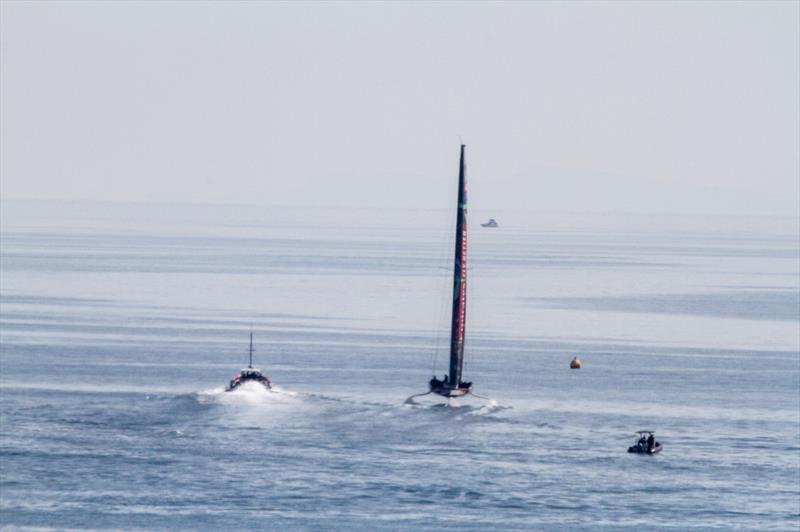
(235, 385)
(450, 392)
(639, 449)
(445, 389)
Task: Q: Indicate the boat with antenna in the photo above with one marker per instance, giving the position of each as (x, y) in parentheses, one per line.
(645, 443)
(249, 374)
(452, 384)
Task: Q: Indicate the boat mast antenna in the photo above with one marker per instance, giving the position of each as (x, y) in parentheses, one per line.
(251, 350)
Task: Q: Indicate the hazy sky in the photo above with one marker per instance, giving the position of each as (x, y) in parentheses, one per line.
(563, 105)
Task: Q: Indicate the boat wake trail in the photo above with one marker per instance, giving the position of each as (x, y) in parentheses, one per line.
(491, 407)
(471, 404)
(248, 393)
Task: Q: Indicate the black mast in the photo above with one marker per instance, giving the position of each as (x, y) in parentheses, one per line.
(459, 281)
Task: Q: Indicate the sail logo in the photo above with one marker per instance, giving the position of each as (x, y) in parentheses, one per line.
(463, 288)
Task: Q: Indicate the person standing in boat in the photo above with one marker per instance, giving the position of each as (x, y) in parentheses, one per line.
(651, 442)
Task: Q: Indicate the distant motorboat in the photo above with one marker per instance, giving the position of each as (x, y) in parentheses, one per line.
(645, 443)
(490, 223)
(249, 374)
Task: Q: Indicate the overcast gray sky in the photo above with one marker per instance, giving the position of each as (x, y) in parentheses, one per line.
(678, 106)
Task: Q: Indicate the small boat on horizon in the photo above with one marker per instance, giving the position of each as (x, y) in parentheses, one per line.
(490, 223)
(645, 443)
(249, 374)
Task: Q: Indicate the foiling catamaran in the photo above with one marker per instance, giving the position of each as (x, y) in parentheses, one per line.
(452, 385)
(249, 374)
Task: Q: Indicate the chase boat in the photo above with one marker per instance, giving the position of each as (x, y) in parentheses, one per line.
(249, 374)
(646, 443)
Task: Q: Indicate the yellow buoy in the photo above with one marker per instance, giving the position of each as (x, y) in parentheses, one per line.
(575, 363)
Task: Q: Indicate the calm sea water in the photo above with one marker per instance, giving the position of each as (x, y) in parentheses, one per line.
(121, 324)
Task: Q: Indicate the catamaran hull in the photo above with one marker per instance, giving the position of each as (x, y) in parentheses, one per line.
(453, 393)
(443, 399)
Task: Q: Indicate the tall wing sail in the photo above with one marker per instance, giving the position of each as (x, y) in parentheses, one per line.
(459, 280)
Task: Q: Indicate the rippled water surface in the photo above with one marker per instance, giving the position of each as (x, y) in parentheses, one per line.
(121, 324)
